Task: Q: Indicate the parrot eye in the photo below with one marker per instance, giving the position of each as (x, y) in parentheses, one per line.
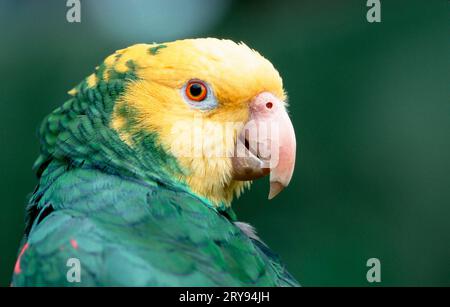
(199, 95)
(196, 90)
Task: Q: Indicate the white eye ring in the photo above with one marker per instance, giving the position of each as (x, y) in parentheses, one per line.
(209, 102)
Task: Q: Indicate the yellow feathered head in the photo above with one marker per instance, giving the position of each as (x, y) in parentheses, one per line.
(215, 105)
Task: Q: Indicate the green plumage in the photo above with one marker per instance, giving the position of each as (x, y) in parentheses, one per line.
(115, 209)
(132, 233)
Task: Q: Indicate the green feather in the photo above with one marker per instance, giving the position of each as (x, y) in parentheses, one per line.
(154, 50)
(130, 233)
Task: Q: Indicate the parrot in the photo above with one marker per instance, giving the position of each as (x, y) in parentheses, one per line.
(137, 171)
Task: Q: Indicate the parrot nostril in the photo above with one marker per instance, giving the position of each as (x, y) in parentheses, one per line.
(269, 105)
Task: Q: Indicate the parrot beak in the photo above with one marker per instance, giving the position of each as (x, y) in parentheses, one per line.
(266, 144)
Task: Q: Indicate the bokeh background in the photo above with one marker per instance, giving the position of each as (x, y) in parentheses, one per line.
(369, 102)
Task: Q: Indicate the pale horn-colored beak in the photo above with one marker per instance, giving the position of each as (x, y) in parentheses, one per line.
(266, 144)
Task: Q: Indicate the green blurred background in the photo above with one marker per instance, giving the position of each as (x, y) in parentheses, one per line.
(369, 102)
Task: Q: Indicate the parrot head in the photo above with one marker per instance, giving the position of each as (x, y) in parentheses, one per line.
(215, 107)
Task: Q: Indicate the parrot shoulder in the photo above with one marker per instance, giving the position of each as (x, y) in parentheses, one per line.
(126, 232)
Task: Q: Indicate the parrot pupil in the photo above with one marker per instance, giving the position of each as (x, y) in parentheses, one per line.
(196, 90)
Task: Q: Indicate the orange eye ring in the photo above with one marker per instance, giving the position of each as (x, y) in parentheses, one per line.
(196, 91)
